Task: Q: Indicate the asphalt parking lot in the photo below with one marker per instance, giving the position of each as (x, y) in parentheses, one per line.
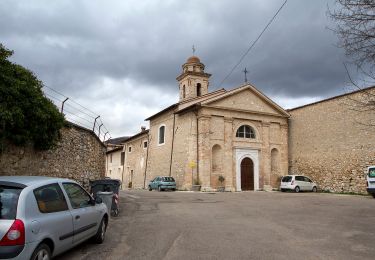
(246, 225)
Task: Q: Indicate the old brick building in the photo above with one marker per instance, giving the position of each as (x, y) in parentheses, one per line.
(240, 134)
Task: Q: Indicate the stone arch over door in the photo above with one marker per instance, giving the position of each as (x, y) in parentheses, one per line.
(253, 154)
(247, 174)
(216, 165)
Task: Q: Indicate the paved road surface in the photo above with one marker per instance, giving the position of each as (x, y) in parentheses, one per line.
(248, 225)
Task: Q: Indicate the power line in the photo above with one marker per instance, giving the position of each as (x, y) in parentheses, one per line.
(252, 45)
(71, 113)
(95, 114)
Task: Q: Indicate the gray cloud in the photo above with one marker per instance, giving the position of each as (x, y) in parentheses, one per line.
(121, 58)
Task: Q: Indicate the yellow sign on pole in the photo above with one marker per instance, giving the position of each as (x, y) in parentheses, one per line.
(192, 164)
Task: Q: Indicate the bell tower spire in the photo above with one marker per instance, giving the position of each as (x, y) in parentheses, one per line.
(193, 81)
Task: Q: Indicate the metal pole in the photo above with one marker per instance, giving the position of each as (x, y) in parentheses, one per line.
(62, 105)
(93, 129)
(104, 136)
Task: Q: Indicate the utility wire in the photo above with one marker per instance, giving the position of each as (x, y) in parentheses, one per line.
(94, 114)
(252, 45)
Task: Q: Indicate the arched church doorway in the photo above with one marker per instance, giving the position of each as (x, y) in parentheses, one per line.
(247, 174)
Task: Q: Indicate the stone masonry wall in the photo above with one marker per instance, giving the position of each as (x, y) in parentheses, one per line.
(330, 142)
(79, 155)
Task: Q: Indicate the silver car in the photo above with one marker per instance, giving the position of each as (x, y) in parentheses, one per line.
(41, 217)
(297, 183)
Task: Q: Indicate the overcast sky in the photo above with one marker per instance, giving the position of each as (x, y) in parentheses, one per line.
(120, 58)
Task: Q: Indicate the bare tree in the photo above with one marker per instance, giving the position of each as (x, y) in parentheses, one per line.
(355, 27)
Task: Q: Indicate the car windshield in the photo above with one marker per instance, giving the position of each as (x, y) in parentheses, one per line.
(286, 179)
(9, 201)
(371, 172)
(169, 179)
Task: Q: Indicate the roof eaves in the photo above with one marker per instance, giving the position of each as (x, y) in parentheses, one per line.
(114, 150)
(137, 135)
(331, 98)
(162, 111)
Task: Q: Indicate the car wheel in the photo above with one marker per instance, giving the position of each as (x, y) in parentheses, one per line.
(149, 188)
(373, 195)
(314, 189)
(100, 234)
(173, 189)
(282, 190)
(159, 188)
(42, 252)
(297, 189)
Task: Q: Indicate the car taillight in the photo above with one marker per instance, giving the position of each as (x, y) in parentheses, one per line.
(292, 183)
(15, 234)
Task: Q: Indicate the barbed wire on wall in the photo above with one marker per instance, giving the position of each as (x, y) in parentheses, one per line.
(77, 113)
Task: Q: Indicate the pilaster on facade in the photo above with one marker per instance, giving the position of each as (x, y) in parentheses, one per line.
(204, 151)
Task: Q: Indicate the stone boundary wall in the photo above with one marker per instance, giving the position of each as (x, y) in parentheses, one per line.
(79, 155)
(331, 142)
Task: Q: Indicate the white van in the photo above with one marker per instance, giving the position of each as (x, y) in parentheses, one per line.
(370, 176)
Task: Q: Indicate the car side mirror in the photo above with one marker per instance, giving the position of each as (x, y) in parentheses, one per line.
(98, 200)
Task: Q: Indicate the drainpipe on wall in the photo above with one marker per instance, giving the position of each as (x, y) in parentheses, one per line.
(170, 162)
(148, 145)
(196, 115)
(123, 167)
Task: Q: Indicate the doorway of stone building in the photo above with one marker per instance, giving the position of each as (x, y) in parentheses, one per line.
(247, 174)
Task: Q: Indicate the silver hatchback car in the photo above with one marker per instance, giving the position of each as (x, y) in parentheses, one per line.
(41, 217)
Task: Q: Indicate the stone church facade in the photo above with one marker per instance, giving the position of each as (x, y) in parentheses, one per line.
(239, 134)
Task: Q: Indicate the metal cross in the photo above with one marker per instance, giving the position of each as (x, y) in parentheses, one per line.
(245, 71)
(193, 49)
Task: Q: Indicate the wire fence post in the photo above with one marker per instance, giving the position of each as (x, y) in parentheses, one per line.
(93, 128)
(62, 105)
(105, 135)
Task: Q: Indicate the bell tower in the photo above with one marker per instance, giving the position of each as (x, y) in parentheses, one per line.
(193, 81)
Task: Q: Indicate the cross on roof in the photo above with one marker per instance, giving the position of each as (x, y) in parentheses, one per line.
(193, 49)
(245, 71)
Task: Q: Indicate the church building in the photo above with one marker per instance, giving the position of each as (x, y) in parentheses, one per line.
(239, 134)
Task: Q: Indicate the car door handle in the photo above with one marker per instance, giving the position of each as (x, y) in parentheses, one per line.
(77, 217)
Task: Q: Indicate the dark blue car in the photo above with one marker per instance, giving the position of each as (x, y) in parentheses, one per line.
(162, 183)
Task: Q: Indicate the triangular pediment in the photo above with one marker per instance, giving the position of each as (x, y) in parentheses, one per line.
(246, 98)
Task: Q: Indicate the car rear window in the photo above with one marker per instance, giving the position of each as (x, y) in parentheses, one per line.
(9, 201)
(371, 172)
(170, 179)
(286, 179)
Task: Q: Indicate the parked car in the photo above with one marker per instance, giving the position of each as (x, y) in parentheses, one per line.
(297, 183)
(41, 217)
(370, 178)
(162, 183)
